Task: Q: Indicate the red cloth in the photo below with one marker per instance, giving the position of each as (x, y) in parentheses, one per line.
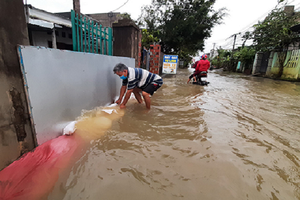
(203, 65)
(34, 175)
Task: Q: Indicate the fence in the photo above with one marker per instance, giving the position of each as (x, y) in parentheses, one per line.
(90, 36)
(291, 68)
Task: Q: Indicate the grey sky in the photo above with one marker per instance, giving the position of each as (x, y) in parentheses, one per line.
(242, 14)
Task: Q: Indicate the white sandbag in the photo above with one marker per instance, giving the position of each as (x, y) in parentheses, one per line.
(70, 128)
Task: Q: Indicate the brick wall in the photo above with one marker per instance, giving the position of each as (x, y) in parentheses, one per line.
(140, 49)
(155, 58)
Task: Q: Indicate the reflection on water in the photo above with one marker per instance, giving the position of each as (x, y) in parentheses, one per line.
(237, 138)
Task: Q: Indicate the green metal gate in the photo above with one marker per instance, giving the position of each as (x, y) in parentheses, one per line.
(89, 35)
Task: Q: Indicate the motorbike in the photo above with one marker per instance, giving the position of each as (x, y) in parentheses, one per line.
(201, 79)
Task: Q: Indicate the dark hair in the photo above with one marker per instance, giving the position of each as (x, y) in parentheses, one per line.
(120, 68)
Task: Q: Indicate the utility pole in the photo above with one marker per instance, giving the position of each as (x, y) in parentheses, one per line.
(234, 39)
(213, 52)
(76, 6)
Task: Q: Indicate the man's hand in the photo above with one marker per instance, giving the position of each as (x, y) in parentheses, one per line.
(122, 106)
(118, 101)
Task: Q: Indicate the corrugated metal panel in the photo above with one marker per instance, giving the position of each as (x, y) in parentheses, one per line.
(63, 83)
(50, 17)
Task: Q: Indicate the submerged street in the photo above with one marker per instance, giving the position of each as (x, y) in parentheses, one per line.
(237, 138)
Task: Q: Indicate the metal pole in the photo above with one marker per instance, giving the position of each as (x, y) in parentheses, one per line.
(233, 45)
(53, 38)
(110, 41)
(73, 29)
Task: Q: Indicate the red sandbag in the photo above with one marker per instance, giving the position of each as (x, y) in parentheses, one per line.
(34, 175)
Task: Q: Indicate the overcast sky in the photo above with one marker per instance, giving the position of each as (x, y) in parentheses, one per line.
(242, 14)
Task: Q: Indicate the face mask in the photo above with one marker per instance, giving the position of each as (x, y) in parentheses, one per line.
(123, 77)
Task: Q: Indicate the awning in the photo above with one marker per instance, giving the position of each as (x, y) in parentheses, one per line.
(48, 18)
(41, 23)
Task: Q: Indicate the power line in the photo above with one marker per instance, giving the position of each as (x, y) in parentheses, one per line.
(249, 26)
(262, 16)
(243, 30)
(120, 6)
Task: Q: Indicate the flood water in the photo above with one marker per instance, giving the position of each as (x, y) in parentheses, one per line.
(237, 138)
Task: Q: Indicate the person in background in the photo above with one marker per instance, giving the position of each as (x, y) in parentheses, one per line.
(136, 81)
(202, 65)
(195, 64)
(144, 56)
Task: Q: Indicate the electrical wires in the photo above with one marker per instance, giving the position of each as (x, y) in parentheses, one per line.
(227, 42)
(120, 6)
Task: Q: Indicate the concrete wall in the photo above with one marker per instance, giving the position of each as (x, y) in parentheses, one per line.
(63, 83)
(106, 19)
(257, 62)
(16, 133)
(126, 40)
(268, 72)
(40, 38)
(292, 66)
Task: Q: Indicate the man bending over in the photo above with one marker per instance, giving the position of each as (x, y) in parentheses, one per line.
(138, 81)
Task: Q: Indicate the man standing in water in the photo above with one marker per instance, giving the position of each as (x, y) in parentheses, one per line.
(136, 80)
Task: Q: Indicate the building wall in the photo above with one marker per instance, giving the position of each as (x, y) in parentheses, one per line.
(126, 40)
(292, 65)
(40, 38)
(256, 63)
(268, 72)
(43, 37)
(16, 133)
(106, 19)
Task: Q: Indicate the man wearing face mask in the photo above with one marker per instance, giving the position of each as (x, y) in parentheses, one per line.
(138, 81)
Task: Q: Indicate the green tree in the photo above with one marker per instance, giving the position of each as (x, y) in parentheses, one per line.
(246, 36)
(246, 55)
(148, 38)
(222, 60)
(273, 34)
(181, 25)
(124, 16)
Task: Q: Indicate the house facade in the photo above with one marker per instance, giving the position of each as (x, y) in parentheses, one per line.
(47, 29)
(266, 63)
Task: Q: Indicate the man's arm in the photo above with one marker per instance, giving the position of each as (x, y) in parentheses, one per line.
(127, 96)
(122, 92)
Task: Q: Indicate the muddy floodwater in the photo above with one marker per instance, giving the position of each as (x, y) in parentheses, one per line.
(237, 138)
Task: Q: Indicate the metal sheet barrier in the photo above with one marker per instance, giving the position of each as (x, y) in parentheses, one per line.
(60, 84)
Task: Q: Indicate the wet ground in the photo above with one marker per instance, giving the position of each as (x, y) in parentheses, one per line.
(237, 138)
